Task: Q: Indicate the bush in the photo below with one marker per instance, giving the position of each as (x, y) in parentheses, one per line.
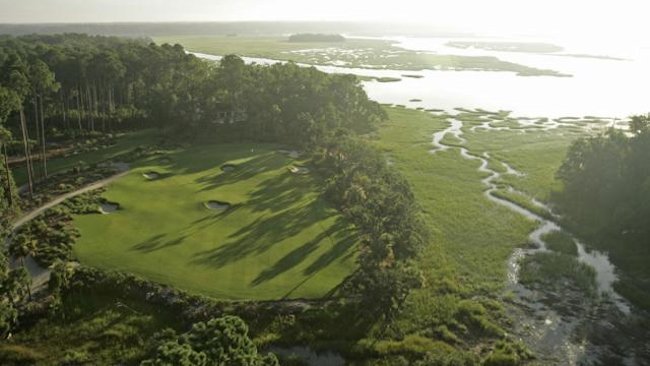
(18, 355)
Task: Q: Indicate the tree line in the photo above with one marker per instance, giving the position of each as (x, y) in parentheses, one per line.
(61, 87)
(607, 183)
(74, 84)
(606, 200)
(380, 203)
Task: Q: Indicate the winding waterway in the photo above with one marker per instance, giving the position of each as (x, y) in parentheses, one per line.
(599, 87)
(546, 327)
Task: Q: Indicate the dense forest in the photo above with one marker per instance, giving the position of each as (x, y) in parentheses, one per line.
(75, 84)
(62, 88)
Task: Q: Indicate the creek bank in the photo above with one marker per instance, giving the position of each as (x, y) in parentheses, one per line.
(561, 325)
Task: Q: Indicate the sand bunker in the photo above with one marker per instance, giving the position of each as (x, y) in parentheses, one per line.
(228, 167)
(108, 208)
(217, 205)
(151, 175)
(298, 170)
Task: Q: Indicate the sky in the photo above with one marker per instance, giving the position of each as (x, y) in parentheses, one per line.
(583, 18)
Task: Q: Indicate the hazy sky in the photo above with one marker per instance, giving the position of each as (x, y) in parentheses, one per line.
(523, 16)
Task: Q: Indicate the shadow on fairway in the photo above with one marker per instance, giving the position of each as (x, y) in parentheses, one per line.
(263, 233)
(339, 233)
(243, 172)
(158, 242)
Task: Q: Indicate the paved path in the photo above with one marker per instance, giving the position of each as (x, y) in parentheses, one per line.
(40, 276)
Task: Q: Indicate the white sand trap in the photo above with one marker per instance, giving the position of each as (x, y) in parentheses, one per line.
(298, 170)
(108, 208)
(217, 205)
(151, 175)
(228, 167)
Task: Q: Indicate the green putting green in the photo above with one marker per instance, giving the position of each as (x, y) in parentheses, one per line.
(277, 239)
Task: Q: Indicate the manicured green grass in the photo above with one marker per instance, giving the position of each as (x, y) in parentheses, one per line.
(124, 144)
(279, 239)
(366, 53)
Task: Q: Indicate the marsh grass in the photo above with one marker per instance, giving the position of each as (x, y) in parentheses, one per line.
(379, 54)
(556, 270)
(473, 237)
(561, 242)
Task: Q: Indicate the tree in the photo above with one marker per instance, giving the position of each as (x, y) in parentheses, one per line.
(21, 246)
(13, 76)
(174, 354)
(639, 123)
(9, 103)
(12, 285)
(42, 83)
(221, 341)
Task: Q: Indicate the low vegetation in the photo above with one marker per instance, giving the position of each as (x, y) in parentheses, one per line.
(49, 238)
(473, 237)
(316, 37)
(375, 54)
(556, 271)
(560, 242)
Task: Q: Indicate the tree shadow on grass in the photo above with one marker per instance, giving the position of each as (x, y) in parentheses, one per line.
(338, 234)
(344, 238)
(262, 234)
(290, 260)
(279, 192)
(243, 172)
(208, 157)
(158, 242)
